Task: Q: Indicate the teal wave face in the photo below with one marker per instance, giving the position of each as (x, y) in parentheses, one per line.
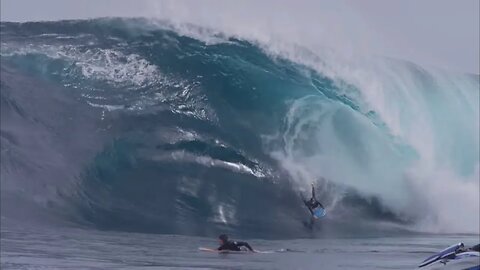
(199, 137)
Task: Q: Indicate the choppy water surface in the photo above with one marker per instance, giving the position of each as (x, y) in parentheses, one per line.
(88, 249)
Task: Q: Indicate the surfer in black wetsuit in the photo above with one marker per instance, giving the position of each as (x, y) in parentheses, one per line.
(312, 203)
(225, 244)
(462, 248)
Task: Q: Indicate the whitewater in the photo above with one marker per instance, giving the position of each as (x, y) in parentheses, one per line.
(138, 135)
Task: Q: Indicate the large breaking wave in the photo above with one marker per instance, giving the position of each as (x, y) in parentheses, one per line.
(129, 124)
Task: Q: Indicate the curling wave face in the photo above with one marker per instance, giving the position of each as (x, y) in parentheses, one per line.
(124, 124)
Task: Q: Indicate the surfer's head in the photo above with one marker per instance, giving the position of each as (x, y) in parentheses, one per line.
(223, 238)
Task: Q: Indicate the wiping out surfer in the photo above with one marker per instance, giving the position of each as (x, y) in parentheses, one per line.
(315, 207)
(313, 204)
(228, 245)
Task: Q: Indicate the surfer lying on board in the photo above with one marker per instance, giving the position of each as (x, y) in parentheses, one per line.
(312, 204)
(462, 248)
(226, 244)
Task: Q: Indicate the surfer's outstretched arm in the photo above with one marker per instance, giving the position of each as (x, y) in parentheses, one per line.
(313, 191)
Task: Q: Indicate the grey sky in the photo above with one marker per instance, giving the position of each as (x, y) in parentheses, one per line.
(442, 33)
(439, 32)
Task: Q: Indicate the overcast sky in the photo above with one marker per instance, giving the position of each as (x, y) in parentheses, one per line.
(443, 33)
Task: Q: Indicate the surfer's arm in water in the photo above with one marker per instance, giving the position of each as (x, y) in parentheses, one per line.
(244, 244)
(234, 246)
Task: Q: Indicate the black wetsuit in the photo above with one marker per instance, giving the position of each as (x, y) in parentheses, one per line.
(463, 249)
(312, 203)
(234, 246)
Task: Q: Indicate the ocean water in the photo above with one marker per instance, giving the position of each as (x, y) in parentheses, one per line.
(129, 143)
(91, 249)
